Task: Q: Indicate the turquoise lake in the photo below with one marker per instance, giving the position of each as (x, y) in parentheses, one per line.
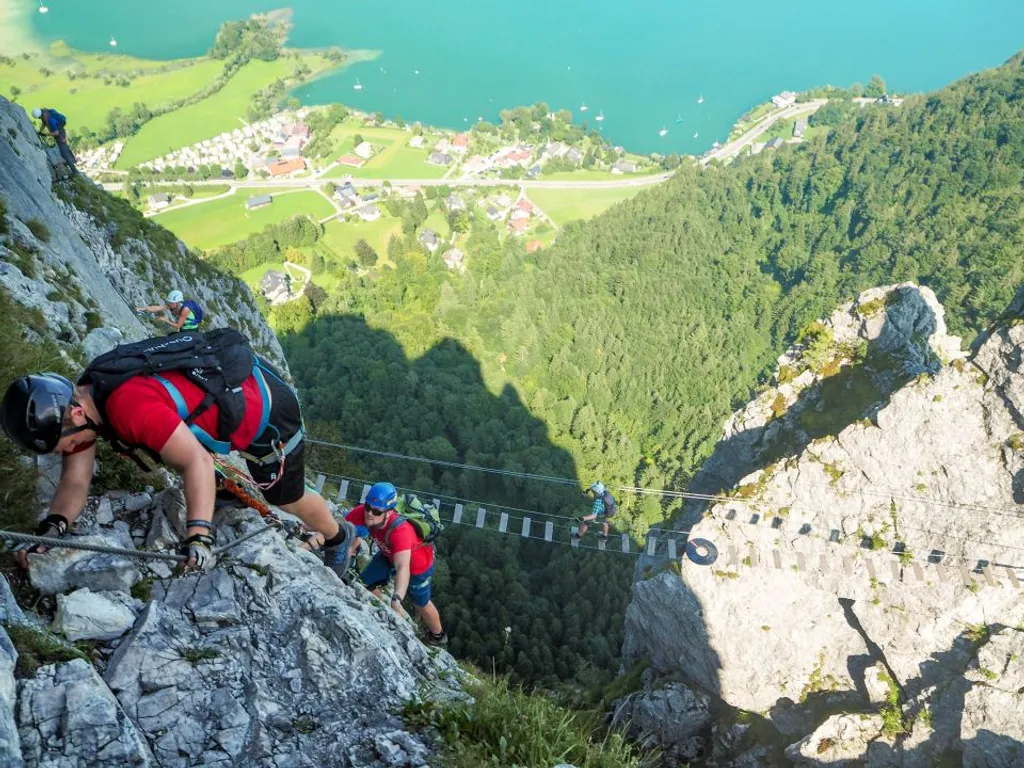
(644, 64)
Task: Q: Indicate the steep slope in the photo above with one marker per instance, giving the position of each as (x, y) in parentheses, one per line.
(267, 660)
(871, 571)
(84, 259)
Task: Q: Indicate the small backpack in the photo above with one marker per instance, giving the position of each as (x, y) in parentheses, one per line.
(423, 517)
(61, 120)
(197, 311)
(610, 505)
(217, 362)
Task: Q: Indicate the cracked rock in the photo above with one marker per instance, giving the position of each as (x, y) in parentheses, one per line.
(86, 615)
(68, 717)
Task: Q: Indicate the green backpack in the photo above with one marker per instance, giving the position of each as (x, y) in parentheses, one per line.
(424, 518)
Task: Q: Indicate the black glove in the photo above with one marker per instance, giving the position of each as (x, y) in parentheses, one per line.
(52, 526)
(199, 551)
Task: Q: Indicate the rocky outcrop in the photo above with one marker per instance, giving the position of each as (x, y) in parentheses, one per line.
(871, 558)
(266, 660)
(69, 252)
(666, 715)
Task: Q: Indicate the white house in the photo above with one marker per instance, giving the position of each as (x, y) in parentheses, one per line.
(364, 150)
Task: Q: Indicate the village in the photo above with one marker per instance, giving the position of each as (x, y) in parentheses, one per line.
(264, 173)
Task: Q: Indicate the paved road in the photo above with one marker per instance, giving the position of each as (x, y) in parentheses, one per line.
(734, 147)
(627, 181)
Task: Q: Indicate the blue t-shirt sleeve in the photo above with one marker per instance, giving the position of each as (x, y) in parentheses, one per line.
(51, 123)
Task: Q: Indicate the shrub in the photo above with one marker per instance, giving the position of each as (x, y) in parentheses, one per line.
(37, 648)
(39, 230)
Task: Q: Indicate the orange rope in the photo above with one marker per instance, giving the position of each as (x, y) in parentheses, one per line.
(245, 497)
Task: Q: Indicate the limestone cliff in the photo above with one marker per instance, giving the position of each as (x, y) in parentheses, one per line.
(84, 259)
(266, 660)
(865, 603)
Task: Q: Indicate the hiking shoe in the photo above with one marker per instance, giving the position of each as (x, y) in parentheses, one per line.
(337, 558)
(429, 638)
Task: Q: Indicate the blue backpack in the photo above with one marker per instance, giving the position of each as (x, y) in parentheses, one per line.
(197, 311)
(610, 505)
(59, 118)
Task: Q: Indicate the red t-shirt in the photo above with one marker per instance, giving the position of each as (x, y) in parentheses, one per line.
(403, 537)
(141, 412)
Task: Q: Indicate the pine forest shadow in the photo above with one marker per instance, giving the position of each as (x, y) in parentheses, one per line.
(544, 613)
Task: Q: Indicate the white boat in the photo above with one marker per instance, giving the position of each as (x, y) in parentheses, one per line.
(113, 42)
(43, 8)
(600, 116)
(679, 118)
(700, 100)
(695, 134)
(584, 107)
(663, 132)
(415, 71)
(358, 86)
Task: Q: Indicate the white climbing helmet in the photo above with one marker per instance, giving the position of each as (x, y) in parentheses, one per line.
(598, 488)
(37, 113)
(175, 297)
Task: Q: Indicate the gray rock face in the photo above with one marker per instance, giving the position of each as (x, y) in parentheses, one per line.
(85, 615)
(10, 746)
(671, 717)
(864, 552)
(60, 570)
(840, 740)
(77, 278)
(67, 717)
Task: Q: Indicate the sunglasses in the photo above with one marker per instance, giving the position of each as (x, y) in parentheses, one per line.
(374, 511)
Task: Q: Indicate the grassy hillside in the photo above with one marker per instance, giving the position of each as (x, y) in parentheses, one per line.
(223, 111)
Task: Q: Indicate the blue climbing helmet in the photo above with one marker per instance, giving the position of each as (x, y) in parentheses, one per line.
(382, 496)
(598, 488)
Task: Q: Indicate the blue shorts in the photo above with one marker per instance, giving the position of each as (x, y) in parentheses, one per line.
(379, 572)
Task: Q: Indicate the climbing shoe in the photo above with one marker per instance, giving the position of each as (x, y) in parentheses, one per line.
(337, 558)
(429, 638)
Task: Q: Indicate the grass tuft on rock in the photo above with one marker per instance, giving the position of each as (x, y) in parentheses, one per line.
(506, 726)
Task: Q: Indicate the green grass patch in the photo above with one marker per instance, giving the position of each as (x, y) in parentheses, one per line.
(564, 205)
(37, 648)
(341, 236)
(85, 87)
(198, 655)
(507, 727)
(394, 158)
(18, 478)
(226, 220)
(223, 111)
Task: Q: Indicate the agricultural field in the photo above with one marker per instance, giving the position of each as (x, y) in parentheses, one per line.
(226, 220)
(341, 236)
(85, 87)
(223, 111)
(565, 205)
(394, 158)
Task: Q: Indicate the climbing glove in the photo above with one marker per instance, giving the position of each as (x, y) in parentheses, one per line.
(199, 551)
(51, 526)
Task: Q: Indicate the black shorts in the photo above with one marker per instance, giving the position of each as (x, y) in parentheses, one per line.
(285, 421)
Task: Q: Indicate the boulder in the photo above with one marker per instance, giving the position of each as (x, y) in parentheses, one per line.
(672, 717)
(68, 717)
(99, 341)
(86, 615)
(59, 570)
(840, 740)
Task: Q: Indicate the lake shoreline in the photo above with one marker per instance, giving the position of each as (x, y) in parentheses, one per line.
(16, 35)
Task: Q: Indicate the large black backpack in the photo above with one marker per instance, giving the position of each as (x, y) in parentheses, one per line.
(217, 361)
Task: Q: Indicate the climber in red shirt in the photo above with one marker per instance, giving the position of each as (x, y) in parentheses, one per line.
(46, 413)
(401, 554)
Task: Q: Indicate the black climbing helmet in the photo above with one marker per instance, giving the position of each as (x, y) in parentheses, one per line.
(32, 412)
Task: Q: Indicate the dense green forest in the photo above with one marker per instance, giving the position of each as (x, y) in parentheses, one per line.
(619, 352)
